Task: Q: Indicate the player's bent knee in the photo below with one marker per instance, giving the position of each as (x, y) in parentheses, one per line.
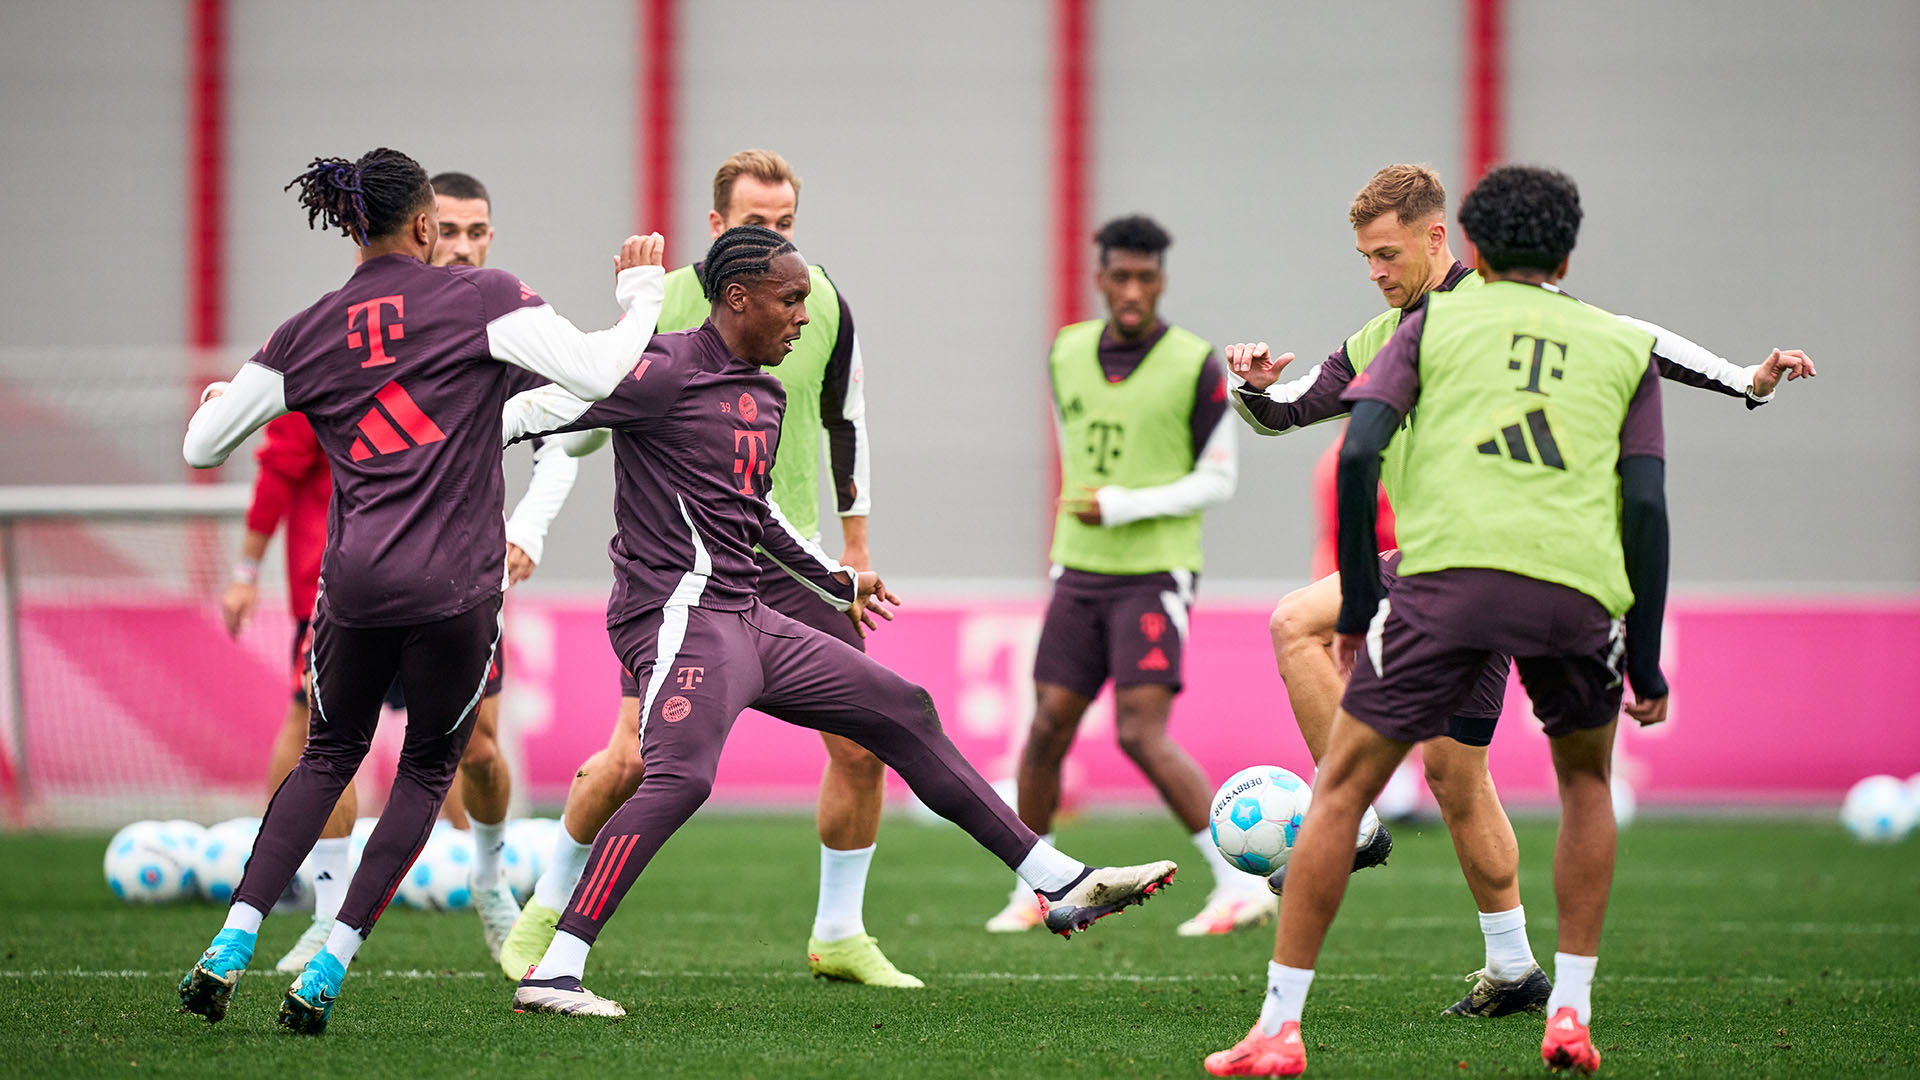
(481, 752)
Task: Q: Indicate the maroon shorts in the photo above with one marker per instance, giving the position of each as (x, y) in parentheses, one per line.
(1130, 628)
(1473, 724)
(778, 590)
(1425, 662)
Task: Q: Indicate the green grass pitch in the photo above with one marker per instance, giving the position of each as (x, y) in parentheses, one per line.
(1732, 948)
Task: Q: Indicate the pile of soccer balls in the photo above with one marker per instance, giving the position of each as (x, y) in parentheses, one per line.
(1882, 809)
(165, 862)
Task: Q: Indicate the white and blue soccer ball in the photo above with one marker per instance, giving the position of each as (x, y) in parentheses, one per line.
(1879, 810)
(220, 861)
(1256, 817)
(529, 840)
(438, 879)
(146, 864)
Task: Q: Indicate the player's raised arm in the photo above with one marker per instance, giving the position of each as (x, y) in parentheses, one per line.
(230, 411)
(1272, 407)
(554, 471)
(589, 365)
(1684, 361)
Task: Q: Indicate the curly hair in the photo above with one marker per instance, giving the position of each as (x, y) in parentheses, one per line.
(364, 199)
(1523, 217)
(744, 251)
(1136, 232)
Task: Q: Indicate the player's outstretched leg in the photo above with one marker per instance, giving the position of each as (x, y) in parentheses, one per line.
(603, 782)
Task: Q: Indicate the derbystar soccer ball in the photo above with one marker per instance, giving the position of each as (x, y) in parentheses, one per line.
(147, 865)
(437, 880)
(1257, 815)
(1878, 810)
(529, 840)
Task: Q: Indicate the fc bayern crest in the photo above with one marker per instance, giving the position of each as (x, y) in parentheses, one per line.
(749, 411)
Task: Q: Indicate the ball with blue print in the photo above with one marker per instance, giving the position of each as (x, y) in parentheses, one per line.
(146, 864)
(438, 878)
(1256, 816)
(1879, 810)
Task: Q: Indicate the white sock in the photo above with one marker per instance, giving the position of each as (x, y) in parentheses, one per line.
(1508, 954)
(1369, 823)
(565, 864)
(332, 873)
(243, 917)
(567, 955)
(843, 887)
(1572, 985)
(343, 943)
(1022, 888)
(1046, 869)
(1224, 875)
(1286, 995)
(488, 840)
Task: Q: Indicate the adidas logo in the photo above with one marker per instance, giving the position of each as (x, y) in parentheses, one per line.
(324, 875)
(1514, 439)
(381, 429)
(1566, 1023)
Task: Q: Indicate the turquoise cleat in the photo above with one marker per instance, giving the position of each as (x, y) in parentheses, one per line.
(208, 988)
(310, 999)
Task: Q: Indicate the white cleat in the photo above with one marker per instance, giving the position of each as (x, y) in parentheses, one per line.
(498, 910)
(1022, 912)
(1103, 891)
(1227, 911)
(564, 995)
(312, 940)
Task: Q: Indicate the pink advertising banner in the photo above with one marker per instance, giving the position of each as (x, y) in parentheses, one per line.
(1775, 702)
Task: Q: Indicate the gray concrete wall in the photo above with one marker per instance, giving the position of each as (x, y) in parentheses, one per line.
(1751, 175)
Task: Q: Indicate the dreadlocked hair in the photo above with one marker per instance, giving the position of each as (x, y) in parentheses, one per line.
(744, 251)
(366, 198)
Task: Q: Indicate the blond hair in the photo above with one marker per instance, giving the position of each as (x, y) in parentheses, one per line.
(763, 165)
(1411, 191)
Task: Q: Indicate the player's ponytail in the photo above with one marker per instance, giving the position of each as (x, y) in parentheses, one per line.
(744, 251)
(364, 199)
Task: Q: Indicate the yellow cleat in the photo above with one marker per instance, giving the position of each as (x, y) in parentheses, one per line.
(857, 959)
(527, 942)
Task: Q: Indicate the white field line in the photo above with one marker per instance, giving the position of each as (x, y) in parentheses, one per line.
(1026, 977)
(1439, 922)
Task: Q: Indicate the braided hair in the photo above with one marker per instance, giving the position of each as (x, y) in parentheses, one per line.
(744, 251)
(366, 198)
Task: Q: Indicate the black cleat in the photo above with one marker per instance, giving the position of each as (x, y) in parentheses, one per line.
(1374, 854)
(1494, 997)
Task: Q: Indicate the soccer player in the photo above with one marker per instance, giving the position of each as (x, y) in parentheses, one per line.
(1145, 447)
(403, 372)
(824, 382)
(485, 787)
(1399, 221)
(1532, 517)
(696, 433)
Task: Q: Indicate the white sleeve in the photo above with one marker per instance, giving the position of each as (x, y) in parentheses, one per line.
(1683, 352)
(1211, 481)
(540, 340)
(553, 473)
(854, 411)
(537, 411)
(255, 395)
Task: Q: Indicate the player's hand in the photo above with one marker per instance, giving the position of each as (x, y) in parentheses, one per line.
(1255, 363)
(648, 250)
(236, 605)
(1648, 711)
(1086, 507)
(1790, 363)
(1346, 651)
(519, 566)
(867, 603)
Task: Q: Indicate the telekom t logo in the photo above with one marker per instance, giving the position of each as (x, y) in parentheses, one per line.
(749, 458)
(377, 334)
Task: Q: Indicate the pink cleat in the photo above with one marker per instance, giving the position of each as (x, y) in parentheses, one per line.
(1263, 1055)
(1568, 1045)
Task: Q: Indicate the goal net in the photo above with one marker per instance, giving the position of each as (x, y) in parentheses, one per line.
(124, 695)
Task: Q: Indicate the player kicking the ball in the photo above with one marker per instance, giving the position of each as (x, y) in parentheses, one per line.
(403, 372)
(696, 430)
